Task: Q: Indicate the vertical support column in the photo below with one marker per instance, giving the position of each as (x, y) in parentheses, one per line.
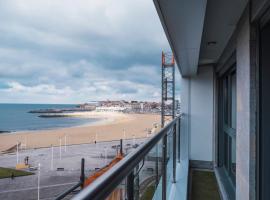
(167, 111)
(174, 153)
(164, 167)
(137, 183)
(168, 88)
(162, 94)
(156, 166)
(121, 146)
(130, 186)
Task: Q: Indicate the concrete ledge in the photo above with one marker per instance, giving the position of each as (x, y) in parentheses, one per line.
(200, 164)
(225, 189)
(179, 190)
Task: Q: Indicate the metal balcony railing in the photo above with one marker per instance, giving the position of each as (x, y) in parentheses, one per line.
(144, 173)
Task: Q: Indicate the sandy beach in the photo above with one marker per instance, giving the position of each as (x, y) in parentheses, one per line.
(111, 126)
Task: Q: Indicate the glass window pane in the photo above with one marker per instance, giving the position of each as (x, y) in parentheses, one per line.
(148, 175)
(233, 100)
(226, 154)
(233, 156)
(225, 100)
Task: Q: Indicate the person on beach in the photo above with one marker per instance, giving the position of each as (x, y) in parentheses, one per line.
(26, 160)
(12, 175)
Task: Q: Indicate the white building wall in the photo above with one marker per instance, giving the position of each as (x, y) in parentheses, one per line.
(197, 106)
(185, 111)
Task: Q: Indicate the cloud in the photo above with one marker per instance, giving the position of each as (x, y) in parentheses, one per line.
(65, 51)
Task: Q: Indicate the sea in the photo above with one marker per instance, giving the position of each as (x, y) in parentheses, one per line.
(16, 117)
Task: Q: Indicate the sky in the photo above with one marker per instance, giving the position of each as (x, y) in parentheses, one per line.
(66, 51)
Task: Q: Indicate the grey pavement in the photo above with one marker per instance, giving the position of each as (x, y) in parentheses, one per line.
(53, 182)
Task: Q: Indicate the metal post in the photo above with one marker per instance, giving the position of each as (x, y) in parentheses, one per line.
(130, 186)
(174, 153)
(65, 143)
(121, 146)
(137, 183)
(133, 140)
(96, 138)
(17, 152)
(179, 138)
(124, 134)
(106, 155)
(82, 177)
(60, 148)
(162, 94)
(157, 161)
(164, 167)
(38, 181)
(52, 157)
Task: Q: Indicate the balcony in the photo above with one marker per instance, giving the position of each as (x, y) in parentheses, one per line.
(153, 171)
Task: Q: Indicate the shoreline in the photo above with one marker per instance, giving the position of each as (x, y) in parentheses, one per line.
(100, 117)
(111, 127)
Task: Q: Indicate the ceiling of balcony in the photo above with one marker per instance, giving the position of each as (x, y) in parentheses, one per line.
(198, 31)
(220, 22)
(182, 21)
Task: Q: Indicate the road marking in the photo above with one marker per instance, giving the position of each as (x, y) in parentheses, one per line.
(35, 188)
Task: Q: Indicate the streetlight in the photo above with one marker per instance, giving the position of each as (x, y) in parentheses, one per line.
(60, 148)
(52, 157)
(38, 180)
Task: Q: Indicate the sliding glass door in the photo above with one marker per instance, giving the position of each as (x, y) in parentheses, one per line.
(227, 123)
(263, 164)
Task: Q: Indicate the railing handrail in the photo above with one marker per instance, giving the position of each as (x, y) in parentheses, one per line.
(106, 183)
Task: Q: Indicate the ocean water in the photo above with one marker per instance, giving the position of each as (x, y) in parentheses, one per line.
(15, 117)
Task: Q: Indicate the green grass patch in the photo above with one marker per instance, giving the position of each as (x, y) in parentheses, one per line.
(149, 193)
(204, 186)
(7, 172)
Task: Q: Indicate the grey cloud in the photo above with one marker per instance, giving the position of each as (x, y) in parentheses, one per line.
(76, 51)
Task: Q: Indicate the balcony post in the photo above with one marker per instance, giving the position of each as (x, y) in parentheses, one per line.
(164, 167)
(174, 152)
(130, 186)
(156, 165)
(82, 177)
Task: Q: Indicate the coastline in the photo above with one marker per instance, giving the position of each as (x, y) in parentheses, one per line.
(111, 126)
(103, 118)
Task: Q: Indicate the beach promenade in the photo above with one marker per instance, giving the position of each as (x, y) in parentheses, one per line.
(52, 181)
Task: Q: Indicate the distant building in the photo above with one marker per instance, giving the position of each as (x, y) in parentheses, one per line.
(110, 109)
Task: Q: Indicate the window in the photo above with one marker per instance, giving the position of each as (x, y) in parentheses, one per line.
(227, 123)
(263, 164)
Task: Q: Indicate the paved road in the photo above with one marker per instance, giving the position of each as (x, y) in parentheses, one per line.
(53, 182)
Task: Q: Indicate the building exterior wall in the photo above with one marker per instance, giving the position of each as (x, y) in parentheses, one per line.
(242, 42)
(201, 131)
(258, 7)
(197, 106)
(246, 113)
(185, 119)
